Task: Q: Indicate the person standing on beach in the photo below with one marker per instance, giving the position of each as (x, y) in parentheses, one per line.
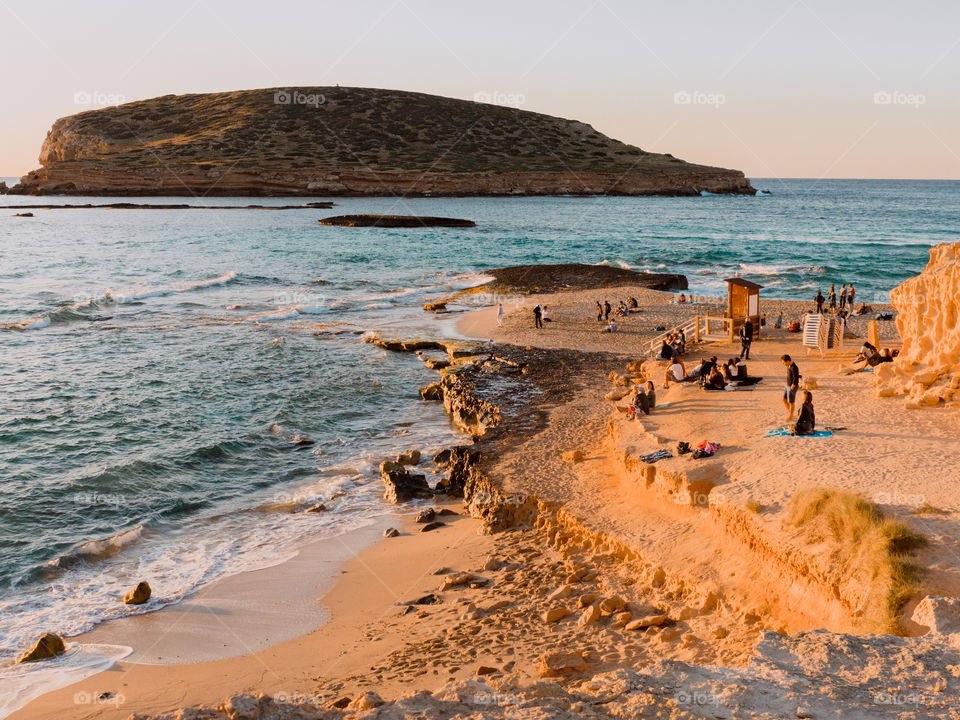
(843, 296)
(500, 315)
(538, 316)
(746, 339)
(851, 294)
(833, 296)
(792, 385)
(599, 312)
(606, 309)
(819, 301)
(778, 321)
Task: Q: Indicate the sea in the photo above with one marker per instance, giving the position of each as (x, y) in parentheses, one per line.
(178, 386)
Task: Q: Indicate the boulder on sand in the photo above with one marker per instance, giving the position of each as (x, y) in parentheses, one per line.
(49, 645)
(561, 663)
(139, 595)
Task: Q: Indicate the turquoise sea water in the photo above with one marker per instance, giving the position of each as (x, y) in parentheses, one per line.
(157, 365)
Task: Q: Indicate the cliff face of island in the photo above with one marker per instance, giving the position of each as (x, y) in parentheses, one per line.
(348, 141)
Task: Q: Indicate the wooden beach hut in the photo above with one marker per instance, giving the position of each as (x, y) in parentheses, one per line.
(743, 301)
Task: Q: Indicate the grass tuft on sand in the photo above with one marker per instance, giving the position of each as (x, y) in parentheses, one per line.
(866, 547)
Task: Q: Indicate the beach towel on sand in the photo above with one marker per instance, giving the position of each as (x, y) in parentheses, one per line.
(654, 456)
(784, 432)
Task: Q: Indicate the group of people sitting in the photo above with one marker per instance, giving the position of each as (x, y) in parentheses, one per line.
(674, 345)
(710, 374)
(625, 307)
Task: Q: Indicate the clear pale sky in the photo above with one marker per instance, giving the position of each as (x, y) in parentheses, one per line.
(776, 88)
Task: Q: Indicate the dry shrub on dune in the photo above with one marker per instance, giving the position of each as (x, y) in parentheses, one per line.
(867, 549)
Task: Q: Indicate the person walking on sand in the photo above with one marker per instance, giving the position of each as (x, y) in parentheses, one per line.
(538, 316)
(746, 339)
(606, 309)
(792, 385)
(500, 315)
(599, 312)
(833, 297)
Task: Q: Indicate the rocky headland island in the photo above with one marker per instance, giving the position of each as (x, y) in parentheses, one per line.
(340, 141)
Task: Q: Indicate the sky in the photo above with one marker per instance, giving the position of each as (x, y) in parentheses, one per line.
(776, 88)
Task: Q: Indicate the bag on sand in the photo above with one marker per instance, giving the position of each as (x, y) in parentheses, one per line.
(683, 448)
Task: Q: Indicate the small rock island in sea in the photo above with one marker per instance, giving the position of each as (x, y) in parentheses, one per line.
(395, 221)
(338, 141)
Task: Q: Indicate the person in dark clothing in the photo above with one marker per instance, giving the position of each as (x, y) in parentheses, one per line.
(833, 297)
(792, 385)
(538, 316)
(746, 339)
(715, 380)
(606, 309)
(666, 349)
(819, 301)
(806, 423)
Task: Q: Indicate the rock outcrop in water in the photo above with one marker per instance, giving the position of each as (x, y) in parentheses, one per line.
(576, 276)
(928, 318)
(49, 645)
(395, 221)
(348, 141)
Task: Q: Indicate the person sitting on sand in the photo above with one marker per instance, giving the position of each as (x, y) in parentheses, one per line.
(675, 373)
(741, 377)
(644, 400)
(778, 321)
(708, 367)
(806, 423)
(886, 356)
(666, 349)
(715, 380)
(868, 355)
(611, 326)
(632, 303)
(792, 385)
(622, 310)
(682, 299)
(730, 370)
(545, 314)
(697, 370)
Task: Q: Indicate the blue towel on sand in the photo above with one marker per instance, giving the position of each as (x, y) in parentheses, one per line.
(783, 432)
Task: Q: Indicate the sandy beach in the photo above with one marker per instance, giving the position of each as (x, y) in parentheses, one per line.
(558, 568)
